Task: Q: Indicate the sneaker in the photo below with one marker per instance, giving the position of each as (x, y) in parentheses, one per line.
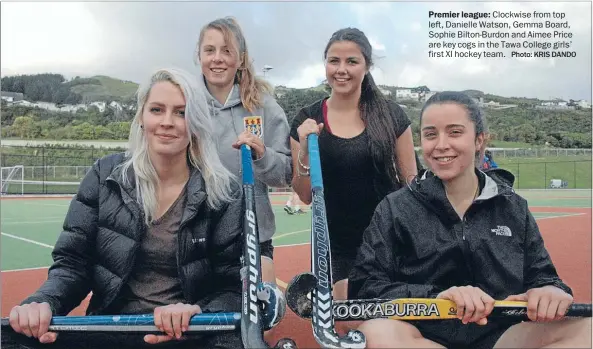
(299, 211)
(288, 210)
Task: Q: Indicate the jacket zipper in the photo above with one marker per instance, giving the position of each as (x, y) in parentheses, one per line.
(466, 248)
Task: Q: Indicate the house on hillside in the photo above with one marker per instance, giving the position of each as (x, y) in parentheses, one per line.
(100, 105)
(426, 95)
(416, 94)
(23, 103)
(12, 96)
(402, 93)
(555, 104)
(385, 91)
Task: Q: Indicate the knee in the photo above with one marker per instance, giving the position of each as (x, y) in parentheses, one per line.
(383, 333)
(578, 328)
(377, 332)
(572, 330)
(268, 270)
(340, 290)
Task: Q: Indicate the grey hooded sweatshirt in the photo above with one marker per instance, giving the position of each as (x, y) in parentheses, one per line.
(274, 169)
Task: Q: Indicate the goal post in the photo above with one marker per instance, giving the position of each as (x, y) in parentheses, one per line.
(14, 175)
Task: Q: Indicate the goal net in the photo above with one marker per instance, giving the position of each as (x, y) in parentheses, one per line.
(12, 180)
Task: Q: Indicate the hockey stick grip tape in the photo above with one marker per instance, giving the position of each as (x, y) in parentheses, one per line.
(314, 161)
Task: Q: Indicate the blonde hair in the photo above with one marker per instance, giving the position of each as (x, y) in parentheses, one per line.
(202, 151)
(251, 87)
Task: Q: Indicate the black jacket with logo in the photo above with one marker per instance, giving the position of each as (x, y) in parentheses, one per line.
(417, 246)
(102, 233)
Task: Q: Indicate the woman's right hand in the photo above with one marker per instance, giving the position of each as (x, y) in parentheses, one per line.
(473, 304)
(308, 127)
(33, 320)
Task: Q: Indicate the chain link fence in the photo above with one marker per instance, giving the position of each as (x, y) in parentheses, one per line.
(59, 169)
(47, 169)
(538, 152)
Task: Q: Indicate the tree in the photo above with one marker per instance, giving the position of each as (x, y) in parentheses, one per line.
(25, 127)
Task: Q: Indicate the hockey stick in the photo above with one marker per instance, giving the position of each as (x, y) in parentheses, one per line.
(403, 308)
(205, 322)
(252, 315)
(322, 318)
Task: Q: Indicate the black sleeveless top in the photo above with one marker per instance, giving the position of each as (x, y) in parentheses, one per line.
(348, 171)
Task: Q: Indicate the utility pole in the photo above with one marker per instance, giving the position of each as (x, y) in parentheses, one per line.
(266, 69)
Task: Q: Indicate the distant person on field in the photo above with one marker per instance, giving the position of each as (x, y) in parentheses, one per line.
(293, 205)
(155, 230)
(234, 92)
(461, 234)
(488, 162)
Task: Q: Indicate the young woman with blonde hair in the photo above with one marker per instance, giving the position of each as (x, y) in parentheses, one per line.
(157, 229)
(238, 100)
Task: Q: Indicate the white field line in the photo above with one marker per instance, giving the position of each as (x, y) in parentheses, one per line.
(27, 240)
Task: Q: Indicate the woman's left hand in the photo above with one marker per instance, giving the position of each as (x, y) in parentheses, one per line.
(173, 319)
(252, 141)
(546, 303)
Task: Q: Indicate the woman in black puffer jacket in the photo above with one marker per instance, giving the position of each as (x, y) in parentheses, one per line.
(154, 230)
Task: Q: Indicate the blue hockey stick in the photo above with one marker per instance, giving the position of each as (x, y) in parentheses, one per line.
(253, 319)
(205, 322)
(323, 323)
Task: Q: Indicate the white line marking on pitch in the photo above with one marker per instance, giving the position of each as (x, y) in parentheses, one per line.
(27, 240)
(24, 269)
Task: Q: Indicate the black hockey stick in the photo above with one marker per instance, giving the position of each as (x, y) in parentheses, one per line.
(322, 317)
(254, 319)
(297, 295)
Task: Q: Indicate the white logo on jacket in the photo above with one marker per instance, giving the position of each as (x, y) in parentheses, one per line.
(502, 230)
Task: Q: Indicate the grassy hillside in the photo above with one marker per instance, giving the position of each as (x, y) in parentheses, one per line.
(522, 126)
(107, 89)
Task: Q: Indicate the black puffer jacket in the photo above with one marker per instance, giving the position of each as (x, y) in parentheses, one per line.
(417, 246)
(102, 233)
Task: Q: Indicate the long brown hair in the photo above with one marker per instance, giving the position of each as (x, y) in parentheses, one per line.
(251, 87)
(376, 114)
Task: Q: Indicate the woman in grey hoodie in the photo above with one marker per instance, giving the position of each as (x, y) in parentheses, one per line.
(241, 103)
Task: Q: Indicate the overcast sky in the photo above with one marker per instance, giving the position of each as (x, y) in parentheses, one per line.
(129, 40)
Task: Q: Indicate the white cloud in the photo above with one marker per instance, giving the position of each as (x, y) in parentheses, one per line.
(404, 48)
(474, 67)
(35, 34)
(310, 76)
(376, 45)
(127, 40)
(367, 12)
(411, 75)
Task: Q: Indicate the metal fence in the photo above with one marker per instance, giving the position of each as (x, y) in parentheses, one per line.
(538, 152)
(58, 170)
(551, 175)
(49, 169)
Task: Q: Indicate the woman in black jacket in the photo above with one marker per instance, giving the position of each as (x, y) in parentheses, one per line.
(460, 234)
(155, 230)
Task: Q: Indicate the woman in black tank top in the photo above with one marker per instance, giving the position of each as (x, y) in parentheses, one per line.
(365, 145)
